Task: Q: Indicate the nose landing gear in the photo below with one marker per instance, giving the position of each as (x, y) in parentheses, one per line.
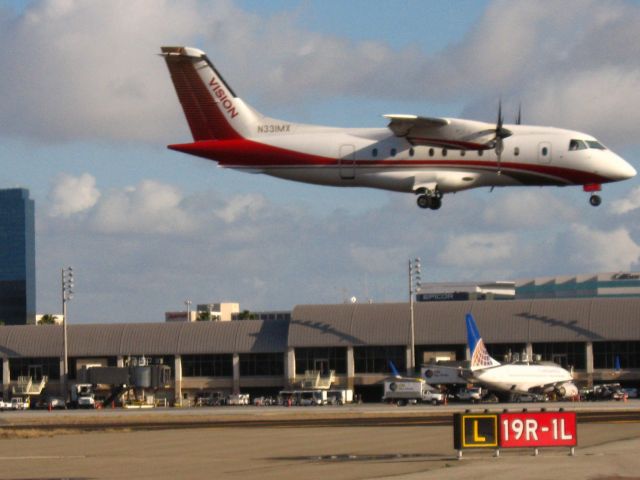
(595, 200)
(592, 188)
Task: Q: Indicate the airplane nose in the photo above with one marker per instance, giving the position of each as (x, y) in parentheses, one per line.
(627, 170)
(621, 169)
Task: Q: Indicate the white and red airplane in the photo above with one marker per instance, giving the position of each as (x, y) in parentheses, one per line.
(421, 155)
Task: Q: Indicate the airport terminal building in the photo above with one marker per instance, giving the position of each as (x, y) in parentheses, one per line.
(357, 341)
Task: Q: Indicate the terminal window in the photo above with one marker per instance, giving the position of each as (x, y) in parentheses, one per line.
(220, 365)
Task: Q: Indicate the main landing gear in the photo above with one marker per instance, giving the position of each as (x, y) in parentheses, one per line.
(429, 199)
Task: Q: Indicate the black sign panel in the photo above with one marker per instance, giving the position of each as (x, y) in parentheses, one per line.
(475, 430)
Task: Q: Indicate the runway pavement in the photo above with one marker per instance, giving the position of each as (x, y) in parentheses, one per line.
(347, 450)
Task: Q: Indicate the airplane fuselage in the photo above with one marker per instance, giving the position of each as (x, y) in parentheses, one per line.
(376, 158)
(522, 378)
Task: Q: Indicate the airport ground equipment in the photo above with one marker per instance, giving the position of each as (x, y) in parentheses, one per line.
(317, 380)
(27, 387)
(410, 390)
(83, 396)
(18, 403)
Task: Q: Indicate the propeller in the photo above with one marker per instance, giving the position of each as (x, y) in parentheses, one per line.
(500, 134)
(519, 117)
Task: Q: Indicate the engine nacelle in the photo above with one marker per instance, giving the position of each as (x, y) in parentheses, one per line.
(567, 390)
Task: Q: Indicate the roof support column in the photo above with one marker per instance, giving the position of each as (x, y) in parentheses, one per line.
(6, 378)
(408, 360)
(236, 373)
(177, 380)
(351, 369)
(529, 351)
(63, 381)
(588, 356)
(290, 366)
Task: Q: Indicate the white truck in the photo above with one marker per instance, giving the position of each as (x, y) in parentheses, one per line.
(410, 390)
(82, 396)
(238, 399)
(470, 394)
(17, 403)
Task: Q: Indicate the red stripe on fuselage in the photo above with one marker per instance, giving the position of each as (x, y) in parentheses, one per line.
(250, 154)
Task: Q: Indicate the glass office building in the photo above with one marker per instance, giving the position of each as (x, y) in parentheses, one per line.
(17, 257)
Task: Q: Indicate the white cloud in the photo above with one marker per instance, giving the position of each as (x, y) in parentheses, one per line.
(377, 260)
(478, 249)
(71, 195)
(89, 70)
(522, 208)
(248, 206)
(628, 204)
(601, 100)
(598, 250)
(148, 208)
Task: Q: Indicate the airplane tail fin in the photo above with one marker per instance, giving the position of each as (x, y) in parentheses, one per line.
(480, 357)
(212, 109)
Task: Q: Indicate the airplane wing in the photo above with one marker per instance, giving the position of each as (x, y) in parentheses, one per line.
(452, 133)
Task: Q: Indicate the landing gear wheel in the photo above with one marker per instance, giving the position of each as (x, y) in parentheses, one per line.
(436, 203)
(595, 200)
(424, 201)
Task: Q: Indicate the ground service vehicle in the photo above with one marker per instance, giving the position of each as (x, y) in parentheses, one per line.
(82, 396)
(473, 395)
(17, 403)
(403, 391)
(238, 399)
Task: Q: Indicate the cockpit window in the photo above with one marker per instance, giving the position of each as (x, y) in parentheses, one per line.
(596, 144)
(577, 145)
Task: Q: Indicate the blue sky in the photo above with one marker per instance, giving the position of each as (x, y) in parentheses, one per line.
(89, 108)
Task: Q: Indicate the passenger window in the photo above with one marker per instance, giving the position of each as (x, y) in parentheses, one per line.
(444, 152)
(480, 153)
(374, 152)
(411, 152)
(431, 152)
(545, 150)
(393, 152)
(462, 153)
(516, 151)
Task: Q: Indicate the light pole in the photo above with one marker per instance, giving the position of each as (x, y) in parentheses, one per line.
(414, 287)
(67, 295)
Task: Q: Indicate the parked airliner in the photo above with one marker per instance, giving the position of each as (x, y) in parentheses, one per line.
(515, 378)
(426, 156)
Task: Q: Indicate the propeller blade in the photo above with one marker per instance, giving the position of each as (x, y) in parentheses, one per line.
(519, 117)
(500, 134)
